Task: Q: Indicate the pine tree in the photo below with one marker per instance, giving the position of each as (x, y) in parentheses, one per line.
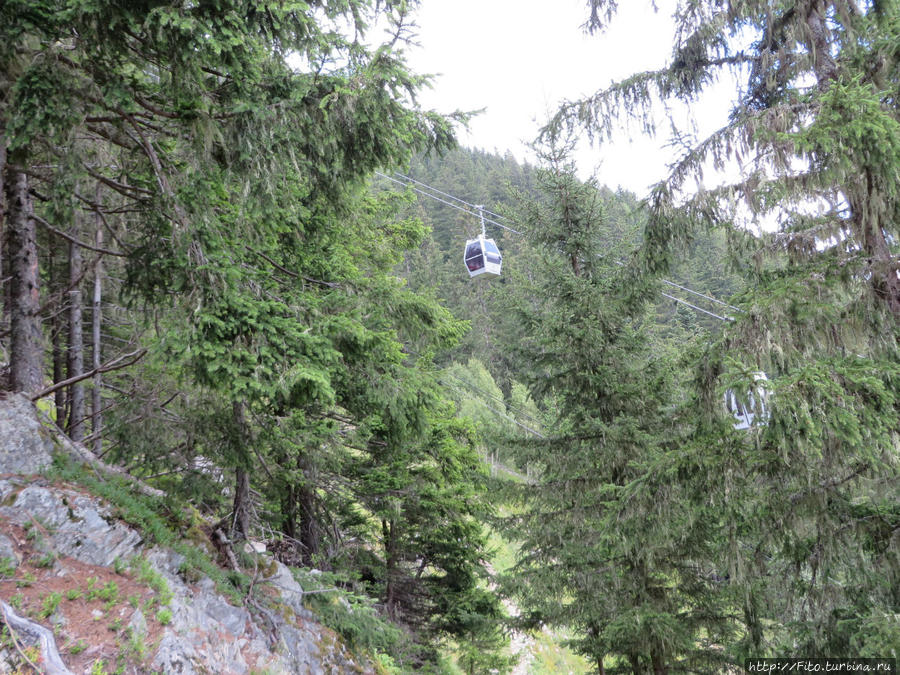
(809, 500)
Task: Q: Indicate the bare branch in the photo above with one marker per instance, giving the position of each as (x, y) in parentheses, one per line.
(69, 237)
(115, 364)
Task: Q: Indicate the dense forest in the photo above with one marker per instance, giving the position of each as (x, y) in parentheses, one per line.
(232, 267)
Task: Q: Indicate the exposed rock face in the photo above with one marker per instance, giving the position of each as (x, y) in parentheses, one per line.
(79, 526)
(25, 446)
(81, 541)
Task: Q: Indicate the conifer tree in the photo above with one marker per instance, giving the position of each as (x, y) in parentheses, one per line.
(604, 534)
(808, 497)
(805, 71)
(169, 96)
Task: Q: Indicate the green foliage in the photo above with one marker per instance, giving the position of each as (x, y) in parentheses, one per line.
(476, 394)
(78, 647)
(549, 656)
(46, 560)
(140, 511)
(26, 580)
(49, 604)
(799, 510)
(145, 573)
(144, 513)
(164, 616)
(605, 530)
(350, 615)
(109, 593)
(7, 567)
(136, 647)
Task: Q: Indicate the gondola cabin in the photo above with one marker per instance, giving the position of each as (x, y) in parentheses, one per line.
(751, 410)
(482, 258)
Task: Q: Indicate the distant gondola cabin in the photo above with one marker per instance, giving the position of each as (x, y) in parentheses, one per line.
(483, 258)
(751, 410)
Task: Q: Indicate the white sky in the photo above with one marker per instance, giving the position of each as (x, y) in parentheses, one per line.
(520, 58)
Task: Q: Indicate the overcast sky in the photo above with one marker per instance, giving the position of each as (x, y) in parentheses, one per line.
(519, 59)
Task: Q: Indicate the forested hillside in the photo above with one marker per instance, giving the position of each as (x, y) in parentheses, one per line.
(667, 435)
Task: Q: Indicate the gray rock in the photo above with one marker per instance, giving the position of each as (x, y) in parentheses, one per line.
(209, 603)
(165, 562)
(70, 524)
(8, 550)
(7, 487)
(175, 655)
(138, 623)
(8, 661)
(289, 589)
(39, 504)
(91, 535)
(25, 447)
(206, 634)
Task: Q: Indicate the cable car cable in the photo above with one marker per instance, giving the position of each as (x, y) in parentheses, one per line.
(471, 386)
(699, 309)
(501, 225)
(504, 415)
(434, 189)
(445, 194)
(443, 201)
(702, 295)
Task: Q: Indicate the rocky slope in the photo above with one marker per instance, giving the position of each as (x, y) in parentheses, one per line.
(80, 592)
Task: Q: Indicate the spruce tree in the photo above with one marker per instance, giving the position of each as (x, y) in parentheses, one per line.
(605, 535)
(807, 496)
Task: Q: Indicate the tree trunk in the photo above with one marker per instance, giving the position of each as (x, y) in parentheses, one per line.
(76, 345)
(659, 664)
(882, 263)
(289, 512)
(240, 528)
(26, 343)
(241, 524)
(861, 193)
(593, 632)
(4, 287)
(751, 621)
(96, 400)
(310, 532)
(635, 664)
(57, 324)
(390, 562)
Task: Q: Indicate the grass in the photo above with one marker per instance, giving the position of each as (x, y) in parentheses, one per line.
(50, 604)
(143, 513)
(164, 616)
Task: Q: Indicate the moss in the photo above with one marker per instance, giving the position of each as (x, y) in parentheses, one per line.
(193, 527)
(269, 568)
(11, 497)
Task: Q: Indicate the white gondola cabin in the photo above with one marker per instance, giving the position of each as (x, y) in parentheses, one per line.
(482, 257)
(753, 410)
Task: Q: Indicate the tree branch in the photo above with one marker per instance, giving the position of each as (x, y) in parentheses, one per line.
(52, 662)
(75, 241)
(115, 364)
(329, 284)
